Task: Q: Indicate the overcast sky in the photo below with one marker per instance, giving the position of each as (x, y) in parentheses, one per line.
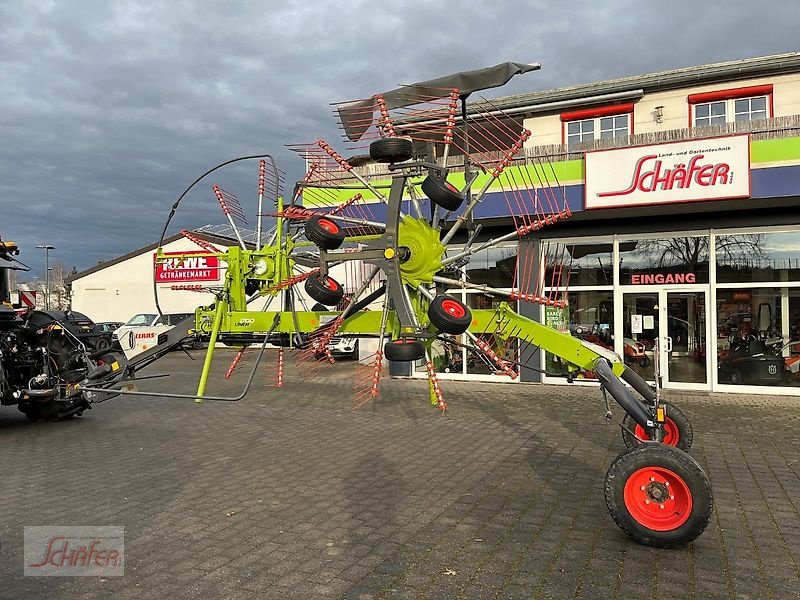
(110, 109)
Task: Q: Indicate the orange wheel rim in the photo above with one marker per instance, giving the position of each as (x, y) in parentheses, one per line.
(672, 435)
(329, 226)
(658, 498)
(453, 308)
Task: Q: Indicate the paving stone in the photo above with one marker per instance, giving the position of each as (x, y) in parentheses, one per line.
(291, 494)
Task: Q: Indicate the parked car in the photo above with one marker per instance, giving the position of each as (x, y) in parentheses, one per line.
(142, 330)
(104, 333)
(107, 326)
(141, 320)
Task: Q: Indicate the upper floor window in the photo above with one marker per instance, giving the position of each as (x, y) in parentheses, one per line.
(725, 111)
(597, 123)
(599, 128)
(728, 106)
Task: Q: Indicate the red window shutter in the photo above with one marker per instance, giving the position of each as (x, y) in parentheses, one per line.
(742, 92)
(597, 111)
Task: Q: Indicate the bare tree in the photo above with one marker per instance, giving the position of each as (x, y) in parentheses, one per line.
(59, 299)
(694, 251)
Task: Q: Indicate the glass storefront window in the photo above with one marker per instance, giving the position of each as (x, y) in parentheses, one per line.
(505, 349)
(590, 317)
(749, 257)
(493, 267)
(664, 261)
(758, 330)
(588, 264)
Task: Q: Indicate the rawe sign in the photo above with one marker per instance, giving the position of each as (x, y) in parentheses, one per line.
(688, 171)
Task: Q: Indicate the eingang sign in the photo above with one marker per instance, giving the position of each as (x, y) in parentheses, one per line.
(687, 171)
(185, 266)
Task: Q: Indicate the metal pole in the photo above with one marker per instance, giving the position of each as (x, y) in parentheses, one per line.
(46, 248)
(47, 278)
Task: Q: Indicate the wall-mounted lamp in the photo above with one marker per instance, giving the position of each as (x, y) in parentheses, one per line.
(659, 114)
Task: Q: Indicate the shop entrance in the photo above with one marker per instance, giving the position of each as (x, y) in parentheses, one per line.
(674, 321)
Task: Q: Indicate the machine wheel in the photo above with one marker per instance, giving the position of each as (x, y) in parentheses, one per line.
(102, 343)
(52, 410)
(404, 350)
(659, 495)
(324, 289)
(324, 232)
(677, 429)
(644, 362)
(442, 193)
(354, 353)
(449, 315)
(736, 377)
(391, 150)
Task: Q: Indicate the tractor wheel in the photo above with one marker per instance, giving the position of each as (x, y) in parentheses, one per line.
(442, 193)
(102, 343)
(736, 377)
(659, 495)
(644, 362)
(677, 429)
(391, 150)
(404, 350)
(449, 315)
(53, 411)
(324, 289)
(324, 232)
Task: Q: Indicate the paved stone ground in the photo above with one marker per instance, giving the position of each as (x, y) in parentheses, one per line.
(291, 494)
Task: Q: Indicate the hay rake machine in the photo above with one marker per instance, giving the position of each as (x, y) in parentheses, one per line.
(401, 213)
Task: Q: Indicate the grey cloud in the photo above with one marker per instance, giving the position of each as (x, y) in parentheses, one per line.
(110, 109)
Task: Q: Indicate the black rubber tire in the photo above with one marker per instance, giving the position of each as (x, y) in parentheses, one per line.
(52, 410)
(644, 362)
(678, 463)
(325, 290)
(354, 354)
(449, 315)
(324, 232)
(391, 150)
(404, 350)
(736, 377)
(679, 429)
(102, 343)
(442, 193)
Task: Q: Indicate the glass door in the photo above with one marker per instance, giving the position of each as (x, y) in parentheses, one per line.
(640, 317)
(683, 332)
(673, 323)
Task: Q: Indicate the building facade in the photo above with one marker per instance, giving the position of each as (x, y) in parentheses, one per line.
(684, 188)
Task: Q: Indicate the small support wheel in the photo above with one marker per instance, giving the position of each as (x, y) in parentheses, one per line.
(677, 429)
(449, 315)
(442, 193)
(324, 232)
(659, 495)
(736, 377)
(404, 350)
(391, 150)
(324, 289)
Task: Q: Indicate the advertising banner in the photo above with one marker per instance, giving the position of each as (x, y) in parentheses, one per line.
(186, 266)
(685, 171)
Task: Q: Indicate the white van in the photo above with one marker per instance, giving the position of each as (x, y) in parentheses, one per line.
(142, 330)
